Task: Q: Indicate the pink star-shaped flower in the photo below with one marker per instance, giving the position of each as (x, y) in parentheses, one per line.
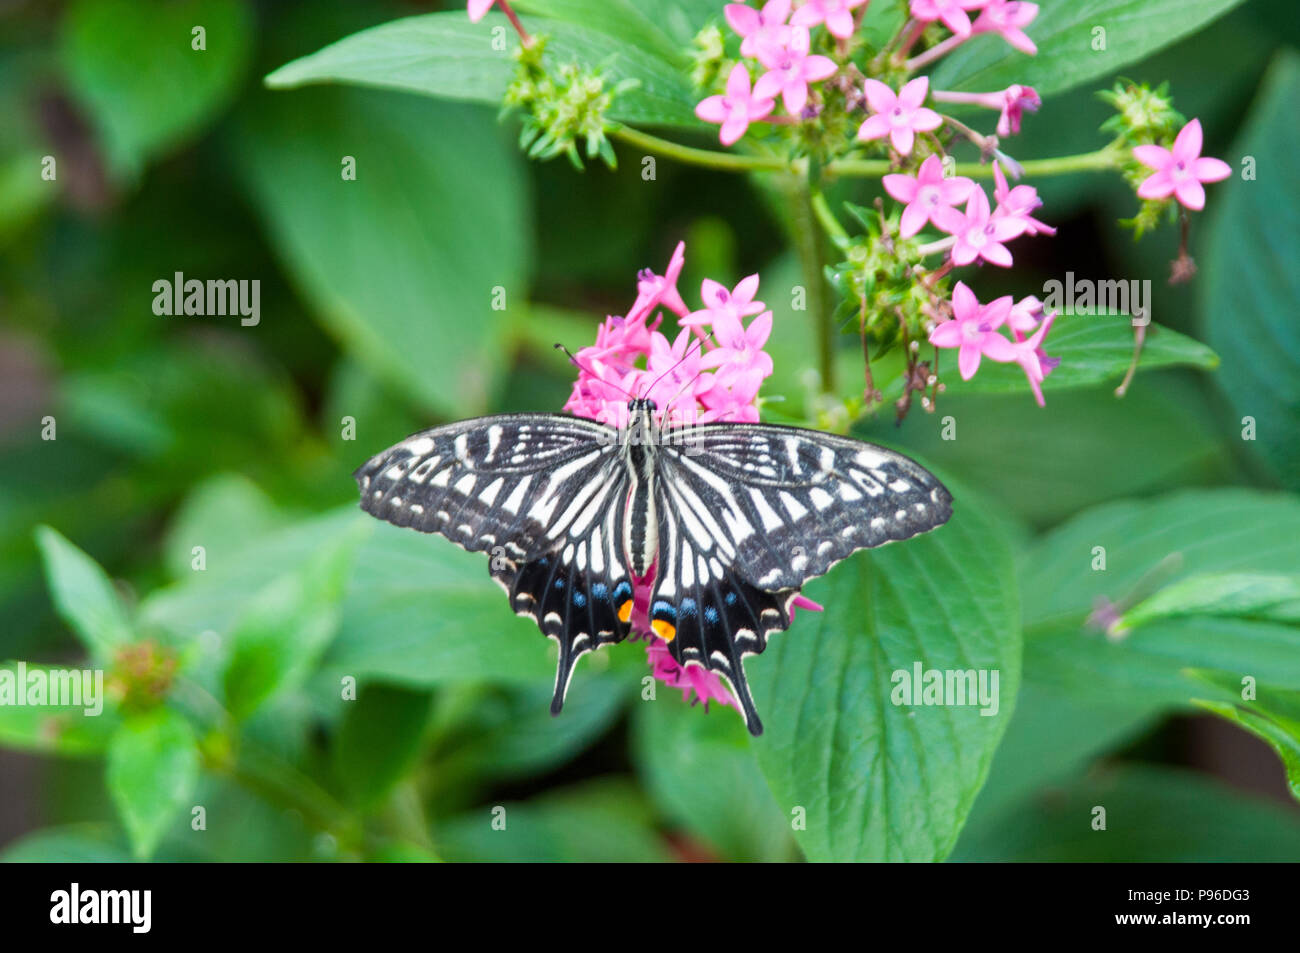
(1033, 360)
(1016, 101)
(836, 14)
(655, 290)
(792, 69)
(736, 109)
(720, 303)
(1181, 170)
(761, 30)
(979, 234)
(1018, 205)
(1008, 18)
(899, 116)
(740, 353)
(478, 9)
(1025, 314)
(926, 194)
(951, 12)
(973, 330)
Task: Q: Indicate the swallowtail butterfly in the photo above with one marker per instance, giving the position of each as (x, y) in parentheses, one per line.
(732, 518)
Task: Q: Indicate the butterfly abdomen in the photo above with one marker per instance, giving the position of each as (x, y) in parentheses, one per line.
(641, 519)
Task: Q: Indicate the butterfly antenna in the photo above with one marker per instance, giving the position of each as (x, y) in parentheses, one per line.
(685, 354)
(578, 364)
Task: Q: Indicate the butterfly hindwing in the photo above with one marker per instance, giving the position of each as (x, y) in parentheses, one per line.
(750, 512)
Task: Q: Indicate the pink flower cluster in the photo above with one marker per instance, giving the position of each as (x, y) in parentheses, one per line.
(710, 371)
(783, 50)
(975, 331)
(978, 232)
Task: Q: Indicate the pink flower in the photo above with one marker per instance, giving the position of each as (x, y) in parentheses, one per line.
(1017, 204)
(655, 290)
(926, 194)
(1033, 360)
(736, 109)
(834, 13)
(791, 70)
(973, 330)
(691, 378)
(721, 303)
(1181, 170)
(1025, 314)
(951, 12)
(1011, 102)
(979, 235)
(898, 116)
(478, 9)
(761, 30)
(1008, 17)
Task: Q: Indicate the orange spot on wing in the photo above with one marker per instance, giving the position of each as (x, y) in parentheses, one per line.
(665, 630)
(625, 611)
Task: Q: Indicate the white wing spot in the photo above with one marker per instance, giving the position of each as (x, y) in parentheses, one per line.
(465, 484)
(792, 506)
(768, 515)
(820, 498)
(516, 497)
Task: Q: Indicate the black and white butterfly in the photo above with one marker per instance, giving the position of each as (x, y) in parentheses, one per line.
(733, 519)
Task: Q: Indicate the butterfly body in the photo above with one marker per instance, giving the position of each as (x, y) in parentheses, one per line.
(722, 522)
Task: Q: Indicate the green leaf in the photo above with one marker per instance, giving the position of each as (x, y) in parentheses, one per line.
(402, 264)
(701, 772)
(1093, 349)
(131, 63)
(1078, 42)
(1147, 545)
(665, 27)
(1245, 279)
(1152, 814)
(1267, 596)
(444, 55)
(879, 780)
(510, 733)
(56, 729)
(286, 627)
(1269, 713)
(220, 514)
(379, 740)
(83, 595)
(1012, 449)
(597, 822)
(153, 764)
(70, 844)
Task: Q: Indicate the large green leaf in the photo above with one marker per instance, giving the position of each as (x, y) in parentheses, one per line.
(1270, 714)
(132, 63)
(1246, 595)
(444, 55)
(153, 764)
(84, 595)
(379, 739)
(74, 843)
(1152, 814)
(879, 780)
(401, 265)
(1093, 349)
(1071, 51)
(700, 771)
(1248, 281)
(598, 822)
(285, 628)
(664, 26)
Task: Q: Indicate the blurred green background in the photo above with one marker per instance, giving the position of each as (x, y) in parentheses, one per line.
(375, 307)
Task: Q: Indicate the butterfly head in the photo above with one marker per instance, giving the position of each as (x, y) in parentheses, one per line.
(639, 405)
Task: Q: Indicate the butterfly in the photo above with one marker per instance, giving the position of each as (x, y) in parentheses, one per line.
(724, 521)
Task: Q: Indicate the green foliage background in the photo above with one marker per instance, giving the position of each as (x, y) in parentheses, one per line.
(176, 432)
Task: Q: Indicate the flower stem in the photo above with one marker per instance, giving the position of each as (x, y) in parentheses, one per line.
(1098, 161)
(514, 21)
(706, 158)
(829, 222)
(934, 52)
(812, 261)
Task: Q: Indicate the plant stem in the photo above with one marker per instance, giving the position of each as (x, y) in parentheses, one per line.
(822, 210)
(1102, 159)
(706, 158)
(807, 239)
